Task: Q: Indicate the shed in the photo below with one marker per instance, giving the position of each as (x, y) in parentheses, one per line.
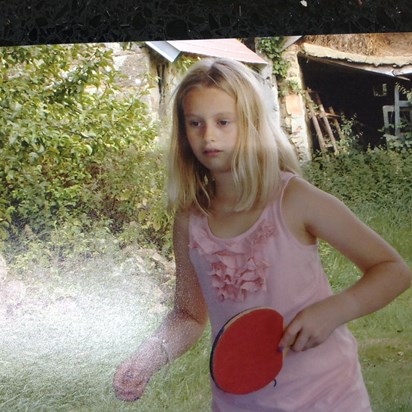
(363, 82)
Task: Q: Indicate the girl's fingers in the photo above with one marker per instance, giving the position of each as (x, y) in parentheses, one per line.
(295, 337)
(289, 336)
(129, 383)
(300, 342)
(131, 389)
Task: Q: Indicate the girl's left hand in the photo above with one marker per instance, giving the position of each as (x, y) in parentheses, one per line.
(310, 327)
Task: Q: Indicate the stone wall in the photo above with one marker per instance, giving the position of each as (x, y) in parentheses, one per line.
(139, 72)
(293, 110)
(146, 72)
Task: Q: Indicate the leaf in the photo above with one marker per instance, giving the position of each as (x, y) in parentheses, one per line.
(33, 156)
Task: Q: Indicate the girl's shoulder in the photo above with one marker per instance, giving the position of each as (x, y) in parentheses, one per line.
(285, 178)
(305, 201)
(297, 196)
(298, 191)
(289, 184)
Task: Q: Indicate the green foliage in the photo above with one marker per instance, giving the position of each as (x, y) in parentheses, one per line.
(129, 190)
(377, 176)
(293, 87)
(66, 137)
(400, 143)
(349, 135)
(272, 48)
(184, 62)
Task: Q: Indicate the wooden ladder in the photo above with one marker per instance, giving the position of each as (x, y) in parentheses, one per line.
(320, 119)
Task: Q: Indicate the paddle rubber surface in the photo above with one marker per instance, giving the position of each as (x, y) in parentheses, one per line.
(245, 356)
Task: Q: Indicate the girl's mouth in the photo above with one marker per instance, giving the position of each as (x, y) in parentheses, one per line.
(211, 152)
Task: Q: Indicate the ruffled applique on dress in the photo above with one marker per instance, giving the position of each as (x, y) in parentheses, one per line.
(237, 268)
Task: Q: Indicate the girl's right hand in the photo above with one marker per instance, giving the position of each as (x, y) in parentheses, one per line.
(131, 378)
(313, 325)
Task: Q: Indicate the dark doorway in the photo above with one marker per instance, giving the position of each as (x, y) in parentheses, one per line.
(352, 92)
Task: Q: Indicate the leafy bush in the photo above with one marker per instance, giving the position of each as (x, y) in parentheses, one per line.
(272, 48)
(350, 137)
(73, 148)
(399, 143)
(129, 191)
(376, 176)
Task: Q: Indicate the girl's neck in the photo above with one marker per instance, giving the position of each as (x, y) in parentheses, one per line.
(225, 198)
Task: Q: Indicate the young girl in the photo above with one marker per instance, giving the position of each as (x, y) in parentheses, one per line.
(245, 235)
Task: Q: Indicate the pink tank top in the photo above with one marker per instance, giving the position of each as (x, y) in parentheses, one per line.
(268, 266)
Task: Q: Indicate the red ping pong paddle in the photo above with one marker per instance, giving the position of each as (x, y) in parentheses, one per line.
(245, 355)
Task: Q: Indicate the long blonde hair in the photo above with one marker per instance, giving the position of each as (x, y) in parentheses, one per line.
(262, 151)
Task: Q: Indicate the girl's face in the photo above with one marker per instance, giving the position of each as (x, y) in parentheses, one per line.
(211, 124)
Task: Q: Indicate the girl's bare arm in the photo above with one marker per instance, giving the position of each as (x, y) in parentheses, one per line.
(181, 328)
(385, 274)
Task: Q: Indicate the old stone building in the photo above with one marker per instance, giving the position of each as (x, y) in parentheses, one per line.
(334, 78)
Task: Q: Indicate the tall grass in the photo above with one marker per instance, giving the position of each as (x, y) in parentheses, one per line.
(83, 313)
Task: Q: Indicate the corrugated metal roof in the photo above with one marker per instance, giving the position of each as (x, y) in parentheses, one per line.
(231, 48)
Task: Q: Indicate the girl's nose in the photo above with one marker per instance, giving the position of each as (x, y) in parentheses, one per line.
(209, 133)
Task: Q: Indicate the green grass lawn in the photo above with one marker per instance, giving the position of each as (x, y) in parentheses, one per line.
(385, 337)
(385, 343)
(385, 346)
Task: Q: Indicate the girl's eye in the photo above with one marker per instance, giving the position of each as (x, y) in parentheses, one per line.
(194, 123)
(223, 122)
